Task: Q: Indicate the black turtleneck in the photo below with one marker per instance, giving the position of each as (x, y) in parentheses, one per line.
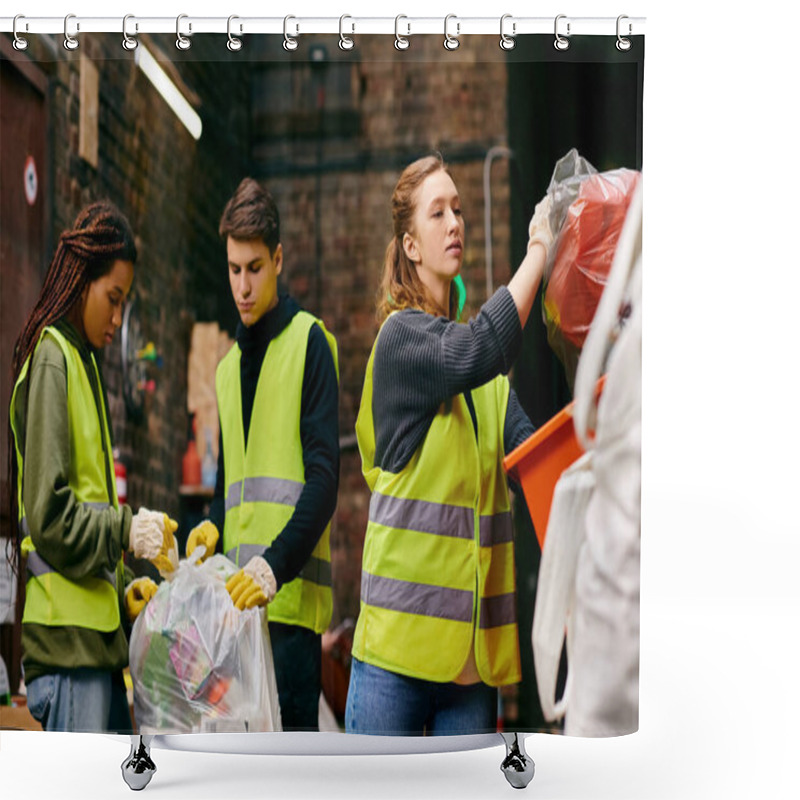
(319, 435)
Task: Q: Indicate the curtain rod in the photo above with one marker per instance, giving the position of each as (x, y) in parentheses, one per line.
(451, 27)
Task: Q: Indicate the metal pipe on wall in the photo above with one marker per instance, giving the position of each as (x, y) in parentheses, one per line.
(499, 151)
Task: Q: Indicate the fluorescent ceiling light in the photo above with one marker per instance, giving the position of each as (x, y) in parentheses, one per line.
(169, 91)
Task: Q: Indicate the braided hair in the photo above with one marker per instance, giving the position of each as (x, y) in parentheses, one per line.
(100, 236)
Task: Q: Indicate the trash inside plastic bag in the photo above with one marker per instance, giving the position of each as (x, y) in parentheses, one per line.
(198, 664)
(587, 211)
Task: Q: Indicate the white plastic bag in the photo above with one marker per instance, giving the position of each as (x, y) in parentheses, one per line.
(555, 594)
(199, 664)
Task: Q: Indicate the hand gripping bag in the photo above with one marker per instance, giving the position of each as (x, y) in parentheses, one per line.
(198, 664)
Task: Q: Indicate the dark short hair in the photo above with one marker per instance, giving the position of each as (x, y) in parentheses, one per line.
(251, 214)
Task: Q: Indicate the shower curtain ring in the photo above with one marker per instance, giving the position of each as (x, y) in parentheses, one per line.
(561, 42)
(289, 42)
(128, 42)
(507, 42)
(401, 42)
(19, 42)
(451, 42)
(623, 44)
(234, 43)
(182, 42)
(345, 42)
(70, 42)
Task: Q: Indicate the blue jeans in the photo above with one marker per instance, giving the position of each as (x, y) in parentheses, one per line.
(88, 700)
(383, 702)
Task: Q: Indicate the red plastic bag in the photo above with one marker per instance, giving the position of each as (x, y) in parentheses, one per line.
(583, 252)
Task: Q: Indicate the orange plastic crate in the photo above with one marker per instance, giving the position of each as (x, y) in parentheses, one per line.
(537, 464)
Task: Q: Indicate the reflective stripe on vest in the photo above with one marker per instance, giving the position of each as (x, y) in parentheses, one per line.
(38, 567)
(439, 519)
(496, 529)
(420, 515)
(438, 564)
(50, 597)
(436, 601)
(263, 490)
(416, 598)
(265, 480)
(498, 610)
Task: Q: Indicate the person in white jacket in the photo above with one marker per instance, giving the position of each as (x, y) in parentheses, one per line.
(589, 577)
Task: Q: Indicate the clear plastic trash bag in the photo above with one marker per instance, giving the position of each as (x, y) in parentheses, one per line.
(587, 211)
(198, 664)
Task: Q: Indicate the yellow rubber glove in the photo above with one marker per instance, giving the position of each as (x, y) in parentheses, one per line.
(253, 585)
(137, 594)
(166, 562)
(205, 533)
(244, 591)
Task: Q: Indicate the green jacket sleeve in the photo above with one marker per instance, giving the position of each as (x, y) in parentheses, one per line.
(73, 538)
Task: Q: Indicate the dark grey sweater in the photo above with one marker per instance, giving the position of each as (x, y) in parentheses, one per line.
(422, 360)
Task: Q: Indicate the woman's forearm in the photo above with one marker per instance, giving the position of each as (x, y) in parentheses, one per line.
(524, 284)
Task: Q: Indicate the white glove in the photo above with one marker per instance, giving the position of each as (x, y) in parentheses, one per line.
(539, 228)
(261, 572)
(147, 534)
(152, 538)
(253, 585)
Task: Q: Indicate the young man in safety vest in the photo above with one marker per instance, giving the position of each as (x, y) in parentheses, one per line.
(278, 468)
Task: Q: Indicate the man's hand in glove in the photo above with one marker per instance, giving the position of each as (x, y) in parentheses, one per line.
(539, 229)
(152, 538)
(137, 594)
(253, 585)
(205, 533)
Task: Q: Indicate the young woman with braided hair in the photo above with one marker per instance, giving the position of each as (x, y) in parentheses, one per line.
(72, 531)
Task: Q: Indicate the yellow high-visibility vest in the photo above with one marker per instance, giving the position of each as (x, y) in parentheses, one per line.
(438, 566)
(50, 597)
(265, 476)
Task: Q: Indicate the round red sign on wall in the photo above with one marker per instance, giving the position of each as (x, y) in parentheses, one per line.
(31, 181)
